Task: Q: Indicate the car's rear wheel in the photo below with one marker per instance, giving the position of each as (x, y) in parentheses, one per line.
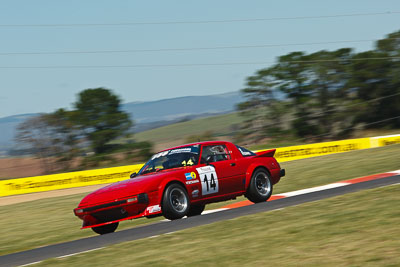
(175, 203)
(195, 210)
(260, 187)
(105, 229)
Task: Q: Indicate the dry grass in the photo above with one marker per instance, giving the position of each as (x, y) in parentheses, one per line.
(358, 229)
(48, 221)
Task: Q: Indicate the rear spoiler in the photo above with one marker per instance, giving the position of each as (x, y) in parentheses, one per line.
(266, 153)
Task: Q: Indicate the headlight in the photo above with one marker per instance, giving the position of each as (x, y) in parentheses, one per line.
(131, 200)
(78, 211)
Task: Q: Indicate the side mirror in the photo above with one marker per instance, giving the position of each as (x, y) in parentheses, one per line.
(133, 175)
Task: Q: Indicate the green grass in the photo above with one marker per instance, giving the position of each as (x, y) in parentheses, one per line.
(48, 221)
(305, 173)
(316, 171)
(358, 229)
(220, 125)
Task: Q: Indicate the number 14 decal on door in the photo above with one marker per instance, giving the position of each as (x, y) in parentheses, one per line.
(208, 179)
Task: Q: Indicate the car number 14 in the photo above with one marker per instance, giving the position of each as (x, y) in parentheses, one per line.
(208, 179)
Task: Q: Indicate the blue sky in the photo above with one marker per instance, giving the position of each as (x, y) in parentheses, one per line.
(44, 90)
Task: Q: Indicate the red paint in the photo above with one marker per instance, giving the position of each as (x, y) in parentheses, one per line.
(109, 204)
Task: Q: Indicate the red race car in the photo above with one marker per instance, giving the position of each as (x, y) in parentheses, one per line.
(180, 181)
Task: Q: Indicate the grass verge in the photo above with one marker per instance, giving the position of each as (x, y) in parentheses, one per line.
(221, 125)
(48, 221)
(358, 229)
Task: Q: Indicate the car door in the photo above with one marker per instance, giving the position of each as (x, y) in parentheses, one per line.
(218, 172)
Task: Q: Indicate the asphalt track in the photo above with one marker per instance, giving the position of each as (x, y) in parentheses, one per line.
(163, 227)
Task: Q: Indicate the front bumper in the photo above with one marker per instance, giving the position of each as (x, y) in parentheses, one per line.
(130, 208)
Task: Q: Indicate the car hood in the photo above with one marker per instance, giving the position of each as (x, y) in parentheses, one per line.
(126, 188)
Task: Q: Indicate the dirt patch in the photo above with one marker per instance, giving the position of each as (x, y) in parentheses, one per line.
(8, 200)
(20, 167)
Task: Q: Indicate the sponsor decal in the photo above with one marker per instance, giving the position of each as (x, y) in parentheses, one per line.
(190, 176)
(244, 153)
(205, 169)
(181, 150)
(161, 154)
(153, 209)
(195, 193)
(191, 149)
(192, 182)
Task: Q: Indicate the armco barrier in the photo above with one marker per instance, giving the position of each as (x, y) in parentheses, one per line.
(66, 180)
(109, 175)
(313, 150)
(385, 140)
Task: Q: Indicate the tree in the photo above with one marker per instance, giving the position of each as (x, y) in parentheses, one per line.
(261, 110)
(294, 76)
(36, 134)
(327, 93)
(65, 137)
(377, 79)
(99, 116)
(328, 77)
(51, 137)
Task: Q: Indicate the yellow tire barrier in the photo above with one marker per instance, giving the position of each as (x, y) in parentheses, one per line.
(110, 175)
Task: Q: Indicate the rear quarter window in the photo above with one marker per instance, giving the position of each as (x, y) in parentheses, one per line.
(245, 152)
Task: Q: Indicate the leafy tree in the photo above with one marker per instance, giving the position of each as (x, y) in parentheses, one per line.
(376, 79)
(65, 136)
(99, 116)
(326, 93)
(262, 111)
(294, 79)
(328, 78)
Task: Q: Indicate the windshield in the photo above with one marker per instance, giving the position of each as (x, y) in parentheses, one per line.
(174, 158)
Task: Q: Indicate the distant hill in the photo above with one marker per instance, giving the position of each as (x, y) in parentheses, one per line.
(147, 115)
(8, 126)
(182, 107)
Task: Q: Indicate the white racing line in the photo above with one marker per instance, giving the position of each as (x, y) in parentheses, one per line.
(64, 256)
(312, 189)
(203, 213)
(285, 195)
(32, 263)
(73, 254)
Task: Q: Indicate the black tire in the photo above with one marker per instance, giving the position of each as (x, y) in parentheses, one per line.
(260, 187)
(105, 229)
(175, 203)
(195, 210)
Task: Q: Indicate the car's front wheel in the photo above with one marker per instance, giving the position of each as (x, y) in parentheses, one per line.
(260, 187)
(105, 229)
(175, 203)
